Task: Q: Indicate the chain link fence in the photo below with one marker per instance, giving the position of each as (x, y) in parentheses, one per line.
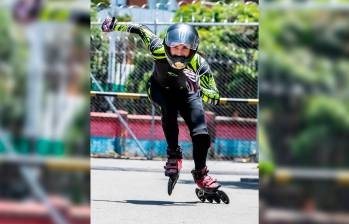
(230, 50)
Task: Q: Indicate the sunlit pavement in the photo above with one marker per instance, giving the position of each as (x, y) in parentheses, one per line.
(135, 191)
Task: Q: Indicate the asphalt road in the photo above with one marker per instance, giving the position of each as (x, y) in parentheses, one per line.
(135, 191)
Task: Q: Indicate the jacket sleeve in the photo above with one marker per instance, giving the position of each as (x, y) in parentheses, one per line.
(209, 91)
(151, 41)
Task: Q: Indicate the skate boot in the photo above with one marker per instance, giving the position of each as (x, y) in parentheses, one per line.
(208, 187)
(173, 167)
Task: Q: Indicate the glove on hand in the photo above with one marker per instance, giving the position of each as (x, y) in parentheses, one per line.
(108, 24)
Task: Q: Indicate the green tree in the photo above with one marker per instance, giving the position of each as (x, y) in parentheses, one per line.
(231, 51)
(306, 63)
(98, 51)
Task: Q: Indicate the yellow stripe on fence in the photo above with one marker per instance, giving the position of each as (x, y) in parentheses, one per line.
(122, 95)
(284, 175)
(65, 164)
(119, 95)
(68, 164)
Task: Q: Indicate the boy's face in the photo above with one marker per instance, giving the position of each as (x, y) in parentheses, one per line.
(180, 50)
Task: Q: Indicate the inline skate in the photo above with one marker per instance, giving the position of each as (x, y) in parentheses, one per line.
(173, 167)
(208, 187)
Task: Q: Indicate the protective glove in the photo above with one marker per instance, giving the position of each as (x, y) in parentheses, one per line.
(108, 24)
(209, 96)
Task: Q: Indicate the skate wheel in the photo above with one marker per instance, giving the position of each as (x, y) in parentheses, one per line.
(200, 194)
(169, 187)
(217, 199)
(171, 183)
(223, 196)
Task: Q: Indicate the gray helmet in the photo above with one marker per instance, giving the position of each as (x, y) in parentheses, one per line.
(181, 33)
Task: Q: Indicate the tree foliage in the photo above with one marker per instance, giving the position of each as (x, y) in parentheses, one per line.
(231, 51)
(305, 58)
(98, 51)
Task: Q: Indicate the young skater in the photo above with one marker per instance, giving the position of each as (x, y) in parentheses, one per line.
(180, 82)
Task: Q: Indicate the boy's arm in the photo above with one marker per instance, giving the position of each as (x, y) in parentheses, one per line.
(151, 41)
(209, 91)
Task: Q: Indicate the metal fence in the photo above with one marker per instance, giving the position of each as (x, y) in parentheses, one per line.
(124, 70)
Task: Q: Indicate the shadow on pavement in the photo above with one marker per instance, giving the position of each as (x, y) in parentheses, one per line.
(148, 202)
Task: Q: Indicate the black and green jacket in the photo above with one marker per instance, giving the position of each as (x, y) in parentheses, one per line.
(168, 77)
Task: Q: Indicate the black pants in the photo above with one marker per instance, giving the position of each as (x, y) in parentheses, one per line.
(189, 106)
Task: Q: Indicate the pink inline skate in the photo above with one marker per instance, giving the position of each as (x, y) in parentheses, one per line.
(208, 187)
(173, 167)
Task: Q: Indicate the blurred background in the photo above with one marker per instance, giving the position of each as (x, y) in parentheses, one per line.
(124, 124)
(304, 110)
(44, 103)
(303, 114)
